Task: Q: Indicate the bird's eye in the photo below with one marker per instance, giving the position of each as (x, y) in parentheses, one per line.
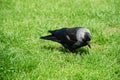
(84, 39)
(87, 37)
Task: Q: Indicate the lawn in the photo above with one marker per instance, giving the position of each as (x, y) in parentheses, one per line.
(24, 56)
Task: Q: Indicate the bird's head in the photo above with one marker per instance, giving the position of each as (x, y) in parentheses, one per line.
(83, 35)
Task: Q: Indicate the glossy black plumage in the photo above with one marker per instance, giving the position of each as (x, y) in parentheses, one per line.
(70, 38)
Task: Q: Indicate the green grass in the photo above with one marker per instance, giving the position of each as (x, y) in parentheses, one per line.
(23, 56)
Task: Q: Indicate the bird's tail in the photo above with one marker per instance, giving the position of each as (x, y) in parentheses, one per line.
(50, 37)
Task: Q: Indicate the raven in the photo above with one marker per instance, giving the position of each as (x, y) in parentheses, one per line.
(70, 38)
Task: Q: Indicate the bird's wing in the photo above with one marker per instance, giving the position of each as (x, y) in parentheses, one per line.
(59, 34)
(65, 35)
(71, 33)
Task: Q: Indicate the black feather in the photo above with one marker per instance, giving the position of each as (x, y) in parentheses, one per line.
(50, 37)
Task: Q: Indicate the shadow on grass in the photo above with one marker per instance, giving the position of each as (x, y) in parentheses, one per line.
(64, 50)
(77, 51)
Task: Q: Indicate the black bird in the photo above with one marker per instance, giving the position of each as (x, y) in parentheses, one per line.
(70, 38)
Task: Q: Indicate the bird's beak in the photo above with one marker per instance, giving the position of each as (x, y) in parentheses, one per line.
(88, 43)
